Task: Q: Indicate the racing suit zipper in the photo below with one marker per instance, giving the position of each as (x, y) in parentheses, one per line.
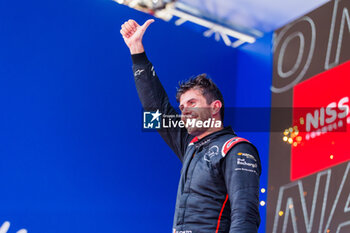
(189, 184)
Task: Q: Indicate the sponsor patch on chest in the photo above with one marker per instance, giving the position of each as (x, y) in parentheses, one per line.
(212, 151)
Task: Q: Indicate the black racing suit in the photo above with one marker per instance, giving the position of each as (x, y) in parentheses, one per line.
(219, 185)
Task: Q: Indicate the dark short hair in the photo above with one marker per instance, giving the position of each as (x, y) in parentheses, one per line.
(209, 90)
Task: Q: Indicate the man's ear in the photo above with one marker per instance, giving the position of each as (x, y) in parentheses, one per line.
(215, 107)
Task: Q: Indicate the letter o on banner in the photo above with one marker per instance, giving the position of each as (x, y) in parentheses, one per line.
(304, 31)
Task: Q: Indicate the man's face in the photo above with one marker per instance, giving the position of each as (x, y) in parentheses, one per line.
(193, 105)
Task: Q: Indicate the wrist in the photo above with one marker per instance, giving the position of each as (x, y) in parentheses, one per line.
(136, 48)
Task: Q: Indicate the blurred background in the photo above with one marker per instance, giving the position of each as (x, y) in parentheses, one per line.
(74, 157)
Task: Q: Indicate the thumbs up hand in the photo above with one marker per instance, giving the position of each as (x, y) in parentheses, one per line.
(133, 33)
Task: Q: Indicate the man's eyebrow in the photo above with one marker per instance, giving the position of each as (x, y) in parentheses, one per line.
(191, 100)
(187, 101)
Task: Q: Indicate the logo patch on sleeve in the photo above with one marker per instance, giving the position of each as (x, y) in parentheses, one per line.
(230, 143)
(248, 156)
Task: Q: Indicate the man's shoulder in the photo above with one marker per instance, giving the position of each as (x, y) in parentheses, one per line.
(231, 141)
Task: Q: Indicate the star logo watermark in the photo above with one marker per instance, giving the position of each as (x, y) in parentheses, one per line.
(151, 120)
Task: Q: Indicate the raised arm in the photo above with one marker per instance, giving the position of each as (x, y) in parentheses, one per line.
(151, 92)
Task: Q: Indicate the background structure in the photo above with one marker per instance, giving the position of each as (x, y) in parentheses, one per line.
(74, 157)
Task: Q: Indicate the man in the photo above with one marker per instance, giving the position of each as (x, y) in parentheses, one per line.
(219, 185)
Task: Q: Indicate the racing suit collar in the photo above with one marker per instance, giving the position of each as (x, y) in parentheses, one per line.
(206, 139)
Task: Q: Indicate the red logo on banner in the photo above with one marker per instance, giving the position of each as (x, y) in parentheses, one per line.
(321, 115)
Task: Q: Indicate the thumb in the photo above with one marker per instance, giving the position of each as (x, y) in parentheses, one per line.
(146, 24)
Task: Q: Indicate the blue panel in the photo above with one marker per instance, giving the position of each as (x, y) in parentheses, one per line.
(252, 91)
(73, 156)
